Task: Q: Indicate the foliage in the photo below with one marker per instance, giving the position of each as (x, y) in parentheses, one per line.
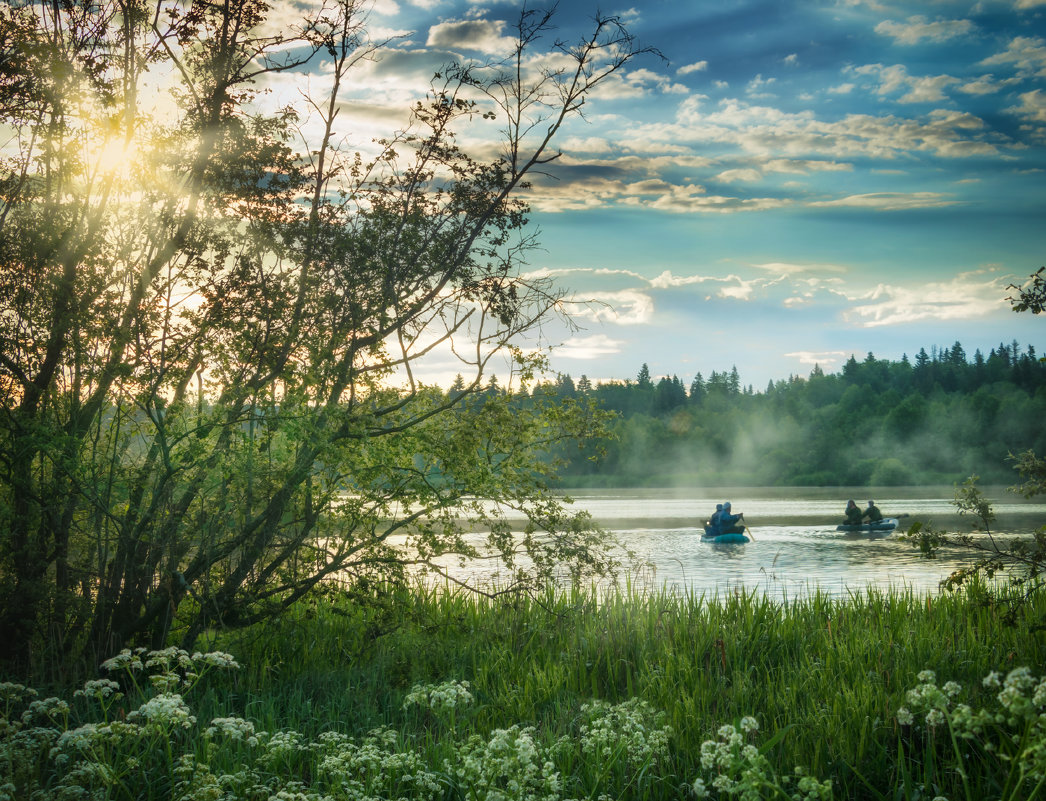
(565, 696)
(1031, 297)
(1022, 560)
(1008, 739)
(876, 422)
(211, 317)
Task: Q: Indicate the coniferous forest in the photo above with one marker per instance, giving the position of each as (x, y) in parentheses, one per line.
(934, 419)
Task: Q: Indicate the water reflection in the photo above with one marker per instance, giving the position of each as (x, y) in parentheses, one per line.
(795, 548)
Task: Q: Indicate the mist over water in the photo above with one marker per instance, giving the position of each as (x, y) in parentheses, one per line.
(795, 548)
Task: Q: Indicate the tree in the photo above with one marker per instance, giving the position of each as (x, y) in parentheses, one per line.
(643, 380)
(210, 323)
(1023, 560)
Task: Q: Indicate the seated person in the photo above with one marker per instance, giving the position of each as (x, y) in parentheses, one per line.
(712, 526)
(729, 523)
(853, 514)
(872, 513)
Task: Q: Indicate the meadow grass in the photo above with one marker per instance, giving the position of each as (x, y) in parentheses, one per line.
(428, 693)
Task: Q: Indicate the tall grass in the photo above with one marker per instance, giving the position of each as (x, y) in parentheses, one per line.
(823, 679)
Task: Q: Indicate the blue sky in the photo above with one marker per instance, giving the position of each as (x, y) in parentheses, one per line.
(798, 182)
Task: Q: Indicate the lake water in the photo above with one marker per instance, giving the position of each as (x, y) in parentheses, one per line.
(794, 549)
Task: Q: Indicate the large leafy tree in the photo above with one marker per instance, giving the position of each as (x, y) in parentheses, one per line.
(211, 316)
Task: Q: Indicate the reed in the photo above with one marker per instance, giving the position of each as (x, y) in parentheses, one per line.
(625, 695)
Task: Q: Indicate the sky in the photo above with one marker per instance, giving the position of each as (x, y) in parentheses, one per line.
(792, 184)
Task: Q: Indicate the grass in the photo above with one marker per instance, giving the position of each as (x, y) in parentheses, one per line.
(549, 676)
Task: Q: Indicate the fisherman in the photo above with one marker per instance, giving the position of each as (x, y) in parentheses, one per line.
(729, 523)
(853, 514)
(872, 513)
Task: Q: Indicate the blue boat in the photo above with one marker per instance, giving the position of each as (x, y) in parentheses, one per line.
(882, 527)
(735, 536)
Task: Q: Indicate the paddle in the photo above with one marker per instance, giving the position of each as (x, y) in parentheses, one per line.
(748, 531)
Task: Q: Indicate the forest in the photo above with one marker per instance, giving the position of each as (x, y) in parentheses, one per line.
(934, 419)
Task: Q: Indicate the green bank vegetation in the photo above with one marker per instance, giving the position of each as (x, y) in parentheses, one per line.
(569, 695)
(933, 420)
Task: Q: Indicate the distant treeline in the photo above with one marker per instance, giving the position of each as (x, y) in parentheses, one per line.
(935, 419)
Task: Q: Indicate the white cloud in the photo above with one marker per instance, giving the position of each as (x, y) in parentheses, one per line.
(895, 78)
(764, 130)
(473, 34)
(985, 85)
(890, 201)
(625, 307)
(666, 280)
(590, 347)
(804, 166)
(824, 358)
(792, 59)
(1032, 107)
(744, 174)
(757, 86)
(965, 297)
(1026, 54)
(738, 289)
(917, 28)
(697, 66)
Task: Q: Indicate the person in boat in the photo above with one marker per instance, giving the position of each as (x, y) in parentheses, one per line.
(713, 521)
(729, 523)
(853, 514)
(872, 513)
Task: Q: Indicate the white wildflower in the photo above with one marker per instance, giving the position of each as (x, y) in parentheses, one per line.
(934, 718)
(439, 697)
(233, 728)
(163, 710)
(99, 688)
(124, 660)
(218, 659)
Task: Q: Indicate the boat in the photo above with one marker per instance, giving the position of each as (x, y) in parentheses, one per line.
(735, 536)
(883, 527)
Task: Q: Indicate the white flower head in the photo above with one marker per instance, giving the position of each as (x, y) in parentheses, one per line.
(926, 677)
(992, 680)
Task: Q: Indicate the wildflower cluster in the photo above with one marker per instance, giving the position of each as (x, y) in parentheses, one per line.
(736, 768)
(439, 698)
(1010, 736)
(378, 766)
(510, 766)
(169, 669)
(64, 746)
(630, 730)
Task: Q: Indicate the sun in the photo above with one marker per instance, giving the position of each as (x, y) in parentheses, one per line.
(114, 157)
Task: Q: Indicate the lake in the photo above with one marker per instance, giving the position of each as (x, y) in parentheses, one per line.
(794, 549)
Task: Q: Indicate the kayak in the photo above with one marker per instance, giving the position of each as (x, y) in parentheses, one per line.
(733, 537)
(886, 524)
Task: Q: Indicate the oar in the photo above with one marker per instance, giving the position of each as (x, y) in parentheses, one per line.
(749, 532)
